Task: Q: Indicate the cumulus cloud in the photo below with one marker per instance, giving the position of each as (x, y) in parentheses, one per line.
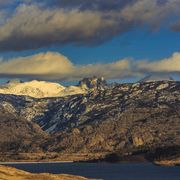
(52, 65)
(169, 65)
(3, 3)
(34, 24)
(43, 63)
(103, 5)
(151, 12)
(176, 26)
(33, 27)
(118, 69)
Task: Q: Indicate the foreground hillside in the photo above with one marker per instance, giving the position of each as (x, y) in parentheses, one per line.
(18, 134)
(126, 119)
(7, 173)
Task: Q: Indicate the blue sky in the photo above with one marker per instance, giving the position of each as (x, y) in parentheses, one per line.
(138, 43)
(126, 35)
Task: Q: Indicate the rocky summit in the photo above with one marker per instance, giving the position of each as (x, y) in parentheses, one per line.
(143, 118)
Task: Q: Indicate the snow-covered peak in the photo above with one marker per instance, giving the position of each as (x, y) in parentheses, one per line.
(38, 89)
(151, 78)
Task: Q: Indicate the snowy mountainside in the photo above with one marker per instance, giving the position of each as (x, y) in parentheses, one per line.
(39, 89)
(58, 113)
(151, 78)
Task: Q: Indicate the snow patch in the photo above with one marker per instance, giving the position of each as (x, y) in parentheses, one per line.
(162, 86)
(152, 78)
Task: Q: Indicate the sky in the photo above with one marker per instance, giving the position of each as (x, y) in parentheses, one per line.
(65, 41)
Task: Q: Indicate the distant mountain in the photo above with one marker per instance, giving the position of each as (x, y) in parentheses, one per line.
(39, 89)
(151, 78)
(43, 89)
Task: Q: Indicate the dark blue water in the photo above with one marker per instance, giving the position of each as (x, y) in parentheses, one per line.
(106, 171)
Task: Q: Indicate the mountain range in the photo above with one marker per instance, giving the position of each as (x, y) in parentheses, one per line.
(127, 119)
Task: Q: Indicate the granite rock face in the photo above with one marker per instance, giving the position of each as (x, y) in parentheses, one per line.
(93, 83)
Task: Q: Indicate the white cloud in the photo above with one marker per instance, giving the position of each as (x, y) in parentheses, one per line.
(149, 12)
(32, 26)
(5, 2)
(52, 65)
(176, 26)
(43, 63)
(168, 65)
(35, 25)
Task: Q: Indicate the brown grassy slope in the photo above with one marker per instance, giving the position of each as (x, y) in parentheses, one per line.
(18, 135)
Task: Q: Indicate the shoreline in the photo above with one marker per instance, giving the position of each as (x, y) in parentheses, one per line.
(155, 163)
(34, 162)
(90, 158)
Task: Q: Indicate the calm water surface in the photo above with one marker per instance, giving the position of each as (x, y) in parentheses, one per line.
(106, 171)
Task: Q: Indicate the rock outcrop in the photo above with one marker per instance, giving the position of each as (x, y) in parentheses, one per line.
(93, 83)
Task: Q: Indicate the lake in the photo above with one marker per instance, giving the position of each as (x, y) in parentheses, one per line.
(106, 171)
